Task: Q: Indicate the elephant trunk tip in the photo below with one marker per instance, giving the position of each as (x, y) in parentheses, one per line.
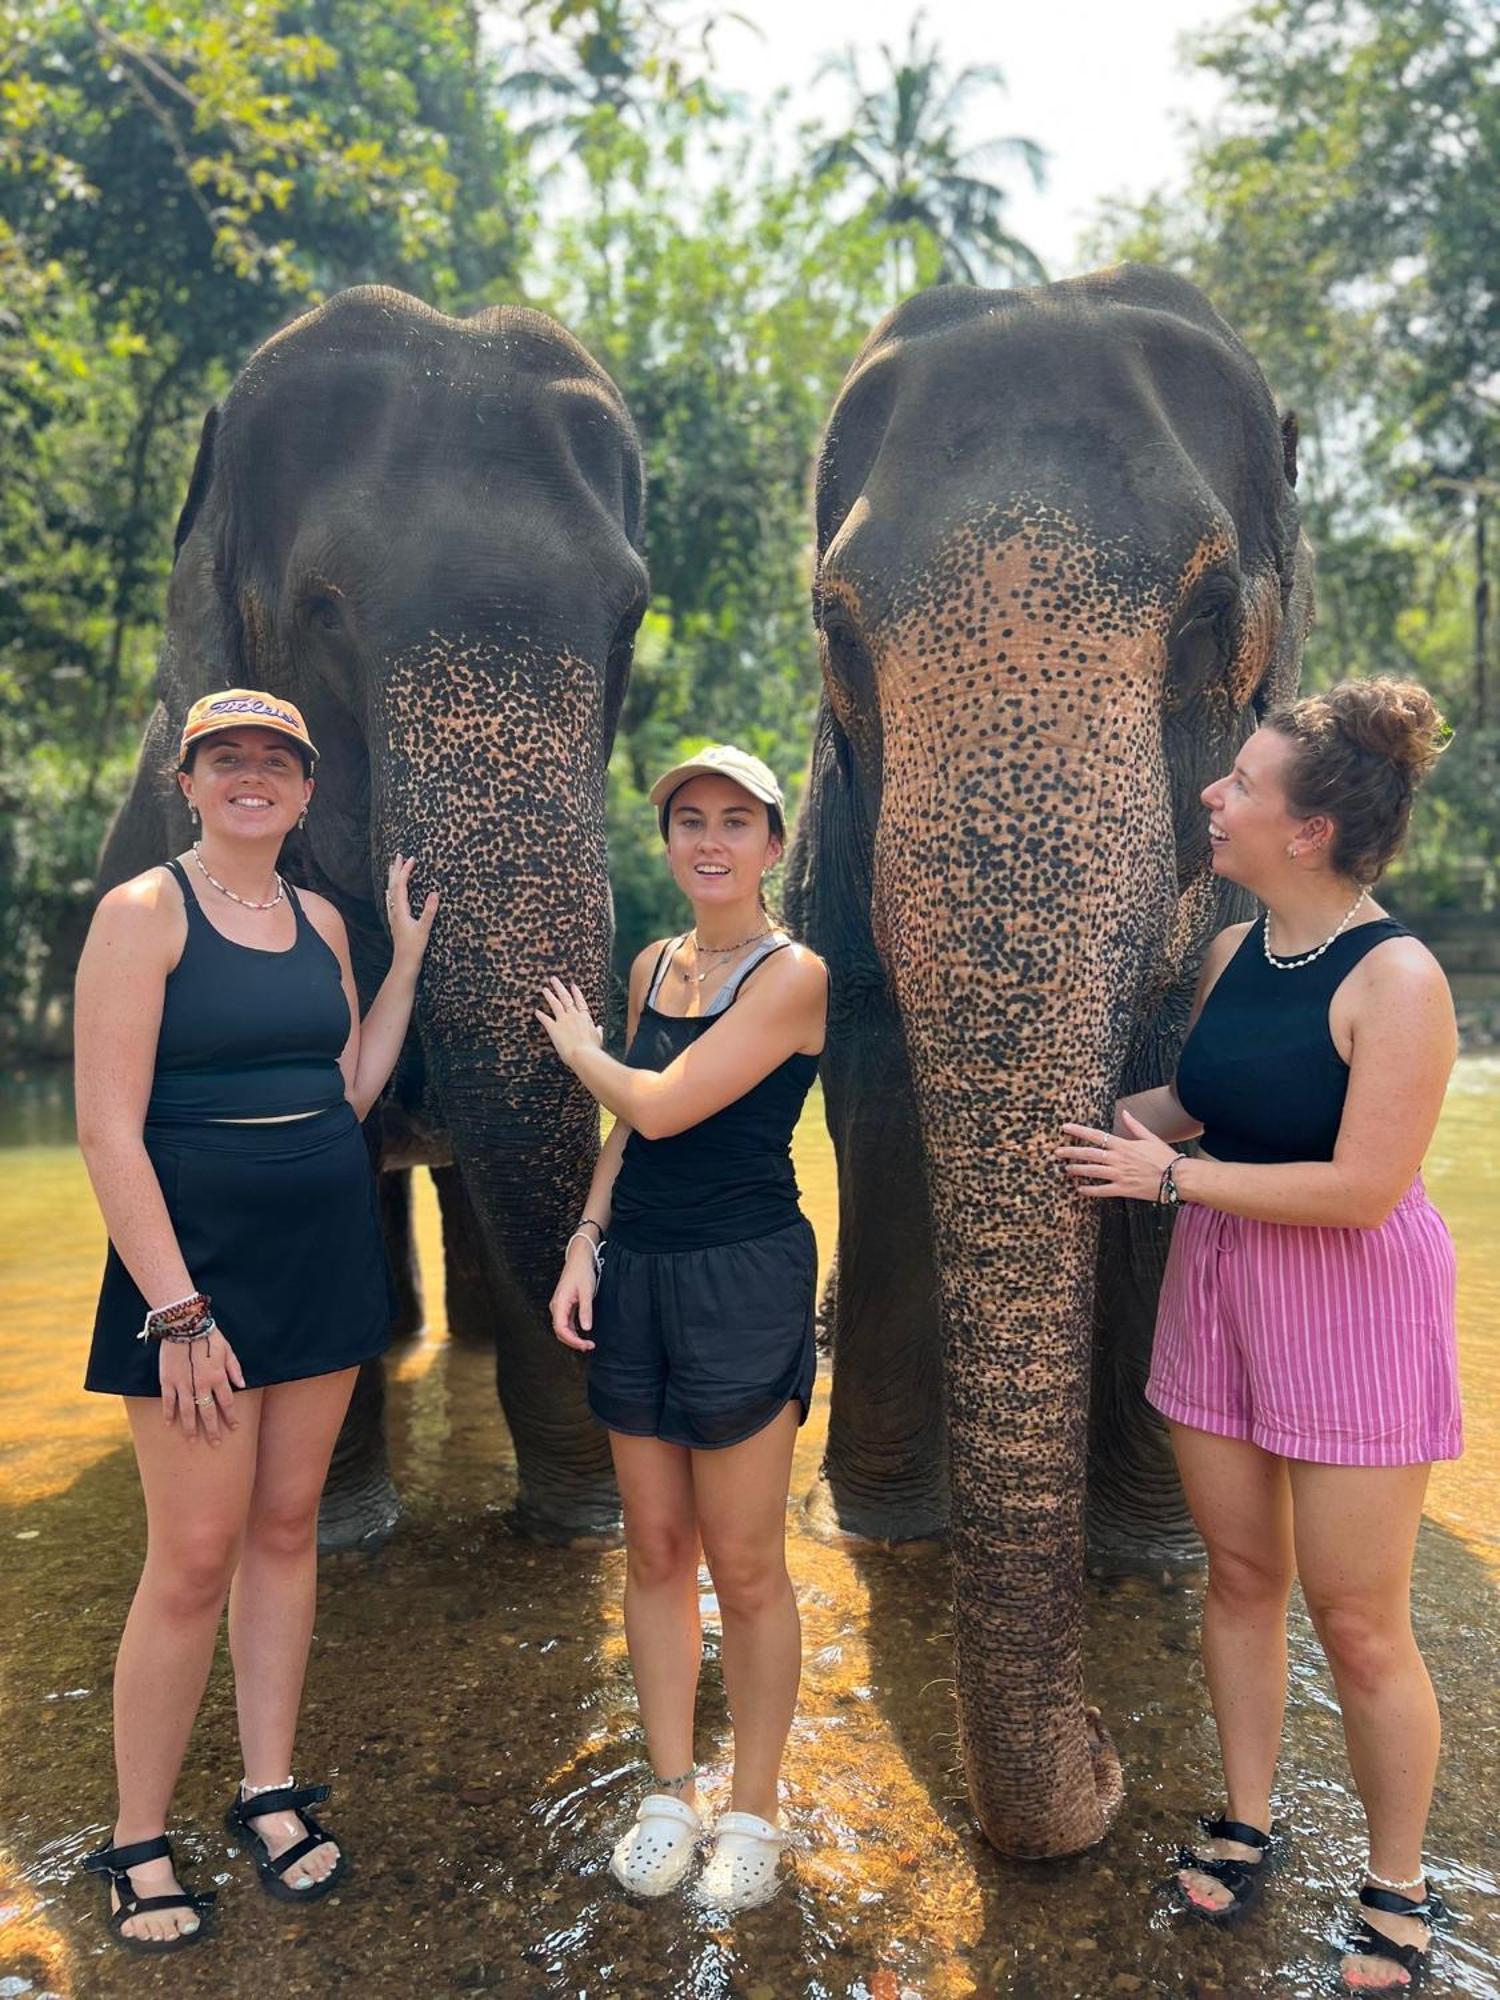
(1045, 1833)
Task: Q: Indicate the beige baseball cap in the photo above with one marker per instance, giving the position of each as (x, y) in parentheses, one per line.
(720, 760)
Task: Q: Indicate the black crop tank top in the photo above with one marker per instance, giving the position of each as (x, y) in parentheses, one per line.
(729, 1178)
(247, 1033)
(1260, 1071)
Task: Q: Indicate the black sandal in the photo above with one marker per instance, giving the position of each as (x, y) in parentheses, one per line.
(1366, 1942)
(287, 1798)
(1243, 1879)
(116, 1863)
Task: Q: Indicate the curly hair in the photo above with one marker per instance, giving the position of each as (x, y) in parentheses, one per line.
(1360, 751)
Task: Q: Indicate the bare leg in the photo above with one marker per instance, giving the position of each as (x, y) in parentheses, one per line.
(662, 1627)
(1356, 1536)
(1241, 1503)
(274, 1595)
(742, 1493)
(197, 1495)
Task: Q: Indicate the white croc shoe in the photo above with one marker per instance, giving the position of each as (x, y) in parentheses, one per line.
(742, 1869)
(652, 1858)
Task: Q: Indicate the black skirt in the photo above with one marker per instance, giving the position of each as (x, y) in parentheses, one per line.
(280, 1225)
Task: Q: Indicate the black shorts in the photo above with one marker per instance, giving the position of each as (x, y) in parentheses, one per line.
(280, 1225)
(703, 1348)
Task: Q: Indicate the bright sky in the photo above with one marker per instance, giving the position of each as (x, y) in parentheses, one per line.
(1099, 83)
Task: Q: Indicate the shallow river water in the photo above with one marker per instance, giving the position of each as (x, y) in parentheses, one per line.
(470, 1698)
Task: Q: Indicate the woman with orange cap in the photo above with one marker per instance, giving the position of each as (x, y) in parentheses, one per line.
(222, 1073)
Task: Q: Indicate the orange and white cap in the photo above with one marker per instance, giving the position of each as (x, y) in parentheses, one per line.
(243, 708)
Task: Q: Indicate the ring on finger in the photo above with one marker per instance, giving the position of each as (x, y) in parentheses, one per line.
(202, 1402)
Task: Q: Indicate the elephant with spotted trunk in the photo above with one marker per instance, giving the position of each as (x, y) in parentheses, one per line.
(1059, 575)
(427, 532)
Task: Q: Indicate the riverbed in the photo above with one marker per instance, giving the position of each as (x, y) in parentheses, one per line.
(469, 1698)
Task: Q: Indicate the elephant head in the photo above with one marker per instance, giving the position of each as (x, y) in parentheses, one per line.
(427, 531)
(1059, 571)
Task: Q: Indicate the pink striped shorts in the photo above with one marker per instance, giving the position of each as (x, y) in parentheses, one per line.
(1334, 1345)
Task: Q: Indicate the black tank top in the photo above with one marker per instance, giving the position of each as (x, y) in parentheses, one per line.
(1260, 1070)
(729, 1178)
(248, 1033)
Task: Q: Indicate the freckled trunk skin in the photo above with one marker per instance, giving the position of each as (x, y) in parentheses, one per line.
(500, 791)
(1023, 886)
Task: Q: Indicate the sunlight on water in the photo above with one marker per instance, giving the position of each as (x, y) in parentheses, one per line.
(470, 1695)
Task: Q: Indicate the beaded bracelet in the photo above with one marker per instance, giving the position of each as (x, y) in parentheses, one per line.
(199, 1330)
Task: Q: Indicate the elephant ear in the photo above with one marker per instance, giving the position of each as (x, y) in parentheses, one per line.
(203, 466)
(1290, 432)
(203, 646)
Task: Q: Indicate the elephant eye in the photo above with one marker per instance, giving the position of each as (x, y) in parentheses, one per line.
(320, 612)
(1202, 641)
(846, 655)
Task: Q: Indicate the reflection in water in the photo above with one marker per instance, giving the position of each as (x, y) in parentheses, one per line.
(470, 1697)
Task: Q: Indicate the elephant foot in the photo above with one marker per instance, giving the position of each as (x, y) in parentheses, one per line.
(363, 1520)
(1167, 1554)
(877, 1523)
(582, 1528)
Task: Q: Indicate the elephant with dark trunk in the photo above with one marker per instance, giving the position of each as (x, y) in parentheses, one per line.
(1059, 572)
(427, 532)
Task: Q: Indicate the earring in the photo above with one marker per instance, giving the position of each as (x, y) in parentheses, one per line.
(1291, 853)
(302, 817)
(193, 814)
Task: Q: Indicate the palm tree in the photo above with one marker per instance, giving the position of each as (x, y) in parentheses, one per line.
(902, 145)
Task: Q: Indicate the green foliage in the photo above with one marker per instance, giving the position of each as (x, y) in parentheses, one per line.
(901, 147)
(1343, 217)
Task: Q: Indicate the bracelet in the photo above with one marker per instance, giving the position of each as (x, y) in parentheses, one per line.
(587, 1222)
(166, 1320)
(199, 1330)
(1169, 1195)
(596, 1251)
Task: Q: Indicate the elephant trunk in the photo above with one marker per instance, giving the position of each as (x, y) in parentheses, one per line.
(1018, 935)
(501, 795)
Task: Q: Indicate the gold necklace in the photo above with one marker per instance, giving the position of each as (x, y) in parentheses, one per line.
(243, 901)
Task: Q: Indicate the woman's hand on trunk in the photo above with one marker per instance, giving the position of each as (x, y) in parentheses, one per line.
(566, 1017)
(409, 934)
(1128, 1166)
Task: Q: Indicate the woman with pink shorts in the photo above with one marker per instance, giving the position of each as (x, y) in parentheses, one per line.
(1305, 1346)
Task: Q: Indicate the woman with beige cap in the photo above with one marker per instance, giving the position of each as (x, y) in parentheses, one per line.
(690, 1283)
(222, 1072)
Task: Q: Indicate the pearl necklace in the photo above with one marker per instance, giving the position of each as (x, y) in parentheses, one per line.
(1307, 957)
(718, 951)
(243, 901)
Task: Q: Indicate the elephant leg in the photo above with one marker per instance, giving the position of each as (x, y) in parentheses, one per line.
(565, 1487)
(884, 1474)
(1137, 1519)
(359, 1507)
(401, 1251)
(468, 1291)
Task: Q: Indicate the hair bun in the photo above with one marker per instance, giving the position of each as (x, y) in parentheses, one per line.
(1397, 720)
